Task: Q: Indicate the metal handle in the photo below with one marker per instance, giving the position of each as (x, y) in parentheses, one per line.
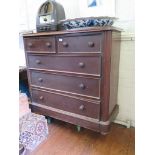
(41, 97)
(30, 44)
(48, 44)
(82, 86)
(40, 80)
(81, 64)
(38, 62)
(81, 107)
(91, 44)
(65, 44)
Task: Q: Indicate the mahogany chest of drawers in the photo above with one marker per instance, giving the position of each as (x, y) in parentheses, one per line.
(73, 75)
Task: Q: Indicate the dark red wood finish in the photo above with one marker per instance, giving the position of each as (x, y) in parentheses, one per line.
(114, 70)
(80, 44)
(72, 84)
(81, 71)
(105, 92)
(67, 118)
(40, 44)
(76, 64)
(63, 102)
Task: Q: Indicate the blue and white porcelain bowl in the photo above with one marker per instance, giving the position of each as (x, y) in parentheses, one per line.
(87, 22)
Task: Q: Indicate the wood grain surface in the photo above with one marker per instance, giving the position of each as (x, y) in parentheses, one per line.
(63, 139)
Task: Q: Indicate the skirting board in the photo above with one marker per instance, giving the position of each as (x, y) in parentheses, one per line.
(127, 123)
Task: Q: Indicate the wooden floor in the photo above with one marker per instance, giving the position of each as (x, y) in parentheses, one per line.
(63, 139)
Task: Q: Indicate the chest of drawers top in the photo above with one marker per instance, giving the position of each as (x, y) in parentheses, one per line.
(84, 43)
(77, 41)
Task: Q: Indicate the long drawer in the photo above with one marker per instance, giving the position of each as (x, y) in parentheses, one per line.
(66, 103)
(75, 85)
(76, 64)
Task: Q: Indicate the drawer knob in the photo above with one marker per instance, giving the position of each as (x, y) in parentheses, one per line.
(41, 97)
(82, 86)
(91, 44)
(40, 80)
(81, 107)
(81, 64)
(65, 44)
(29, 44)
(38, 62)
(48, 44)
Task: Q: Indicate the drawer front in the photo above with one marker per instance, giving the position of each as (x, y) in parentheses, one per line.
(79, 44)
(86, 65)
(75, 85)
(66, 103)
(40, 44)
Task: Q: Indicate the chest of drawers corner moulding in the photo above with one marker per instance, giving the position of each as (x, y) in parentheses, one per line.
(73, 75)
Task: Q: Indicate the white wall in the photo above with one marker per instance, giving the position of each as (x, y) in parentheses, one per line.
(126, 90)
(124, 10)
(71, 8)
(125, 13)
(106, 8)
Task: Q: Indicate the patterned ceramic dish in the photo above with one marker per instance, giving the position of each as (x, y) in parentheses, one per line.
(87, 22)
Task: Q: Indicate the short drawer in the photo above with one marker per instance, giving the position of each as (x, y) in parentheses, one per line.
(77, 64)
(75, 85)
(79, 44)
(69, 104)
(40, 44)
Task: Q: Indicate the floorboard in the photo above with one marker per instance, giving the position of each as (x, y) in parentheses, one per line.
(63, 139)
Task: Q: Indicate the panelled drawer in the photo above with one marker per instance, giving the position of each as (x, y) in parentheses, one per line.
(86, 65)
(40, 44)
(89, 87)
(79, 44)
(69, 104)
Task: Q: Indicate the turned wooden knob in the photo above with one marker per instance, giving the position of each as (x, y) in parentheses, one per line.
(38, 62)
(40, 80)
(29, 44)
(41, 97)
(48, 44)
(81, 64)
(81, 107)
(91, 44)
(82, 86)
(65, 44)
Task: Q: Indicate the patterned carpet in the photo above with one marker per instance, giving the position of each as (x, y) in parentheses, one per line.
(33, 130)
